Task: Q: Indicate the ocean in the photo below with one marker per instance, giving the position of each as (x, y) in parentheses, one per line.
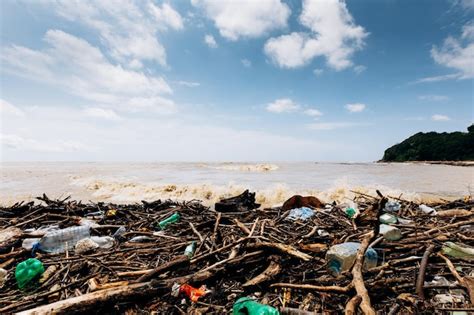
(208, 182)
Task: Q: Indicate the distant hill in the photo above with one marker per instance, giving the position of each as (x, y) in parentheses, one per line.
(433, 146)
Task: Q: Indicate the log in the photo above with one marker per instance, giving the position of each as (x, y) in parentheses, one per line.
(90, 301)
(421, 275)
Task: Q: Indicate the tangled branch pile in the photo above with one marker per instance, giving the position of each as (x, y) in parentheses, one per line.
(240, 251)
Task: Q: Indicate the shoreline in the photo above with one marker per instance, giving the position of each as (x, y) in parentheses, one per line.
(450, 163)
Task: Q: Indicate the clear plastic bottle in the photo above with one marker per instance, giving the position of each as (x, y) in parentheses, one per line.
(341, 257)
(59, 240)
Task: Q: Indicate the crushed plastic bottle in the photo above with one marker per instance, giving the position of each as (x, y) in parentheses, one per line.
(59, 240)
(455, 250)
(303, 213)
(192, 293)
(390, 233)
(189, 250)
(172, 219)
(27, 271)
(427, 210)
(341, 257)
(248, 306)
(388, 218)
(392, 206)
(104, 242)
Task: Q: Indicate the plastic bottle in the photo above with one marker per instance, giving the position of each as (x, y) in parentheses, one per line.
(59, 240)
(341, 257)
(189, 250)
(28, 270)
(120, 231)
(172, 219)
(248, 306)
(390, 233)
(392, 206)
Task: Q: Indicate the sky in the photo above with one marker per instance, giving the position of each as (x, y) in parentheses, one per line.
(222, 80)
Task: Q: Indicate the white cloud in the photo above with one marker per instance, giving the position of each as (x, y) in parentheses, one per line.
(282, 105)
(210, 41)
(433, 98)
(313, 112)
(355, 108)
(128, 28)
(359, 69)
(334, 35)
(247, 63)
(17, 142)
(81, 69)
(318, 72)
(439, 117)
(456, 54)
(331, 125)
(103, 113)
(7, 108)
(236, 19)
(188, 83)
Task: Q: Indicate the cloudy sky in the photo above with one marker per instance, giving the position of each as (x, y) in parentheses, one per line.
(213, 80)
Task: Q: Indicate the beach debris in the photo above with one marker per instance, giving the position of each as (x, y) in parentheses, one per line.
(243, 202)
(283, 264)
(427, 210)
(85, 245)
(190, 249)
(303, 214)
(388, 218)
(27, 271)
(454, 250)
(341, 257)
(8, 237)
(3, 276)
(191, 292)
(172, 219)
(248, 306)
(392, 206)
(58, 241)
(298, 201)
(390, 233)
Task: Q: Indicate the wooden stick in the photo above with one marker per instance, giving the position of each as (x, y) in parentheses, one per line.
(331, 288)
(287, 249)
(358, 279)
(351, 306)
(466, 282)
(421, 275)
(178, 261)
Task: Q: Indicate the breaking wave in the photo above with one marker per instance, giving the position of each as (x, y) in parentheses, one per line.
(244, 167)
(276, 194)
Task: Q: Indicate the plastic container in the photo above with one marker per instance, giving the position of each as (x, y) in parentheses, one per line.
(392, 206)
(390, 233)
(388, 218)
(172, 219)
(427, 210)
(341, 257)
(303, 213)
(248, 306)
(189, 250)
(59, 240)
(27, 271)
(104, 241)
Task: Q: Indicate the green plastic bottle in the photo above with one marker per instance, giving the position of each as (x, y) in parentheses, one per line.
(172, 219)
(248, 306)
(28, 270)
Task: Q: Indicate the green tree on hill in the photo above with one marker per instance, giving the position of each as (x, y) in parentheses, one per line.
(433, 146)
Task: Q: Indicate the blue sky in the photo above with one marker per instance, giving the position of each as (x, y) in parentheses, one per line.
(208, 80)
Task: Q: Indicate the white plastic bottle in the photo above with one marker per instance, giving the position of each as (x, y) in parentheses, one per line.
(59, 240)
